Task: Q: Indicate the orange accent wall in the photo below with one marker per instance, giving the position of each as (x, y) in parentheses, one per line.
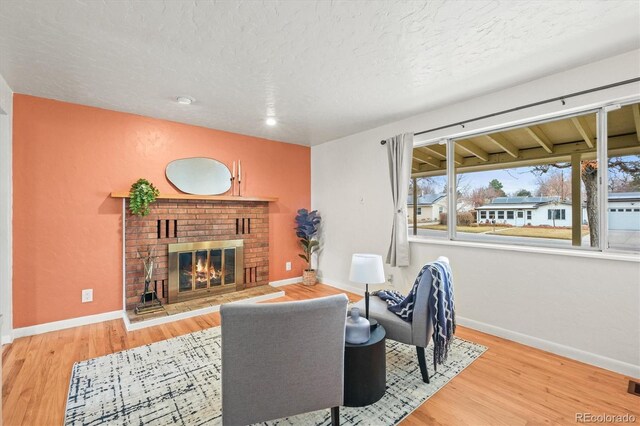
(67, 231)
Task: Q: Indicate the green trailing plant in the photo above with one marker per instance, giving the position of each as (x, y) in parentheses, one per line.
(307, 229)
(141, 195)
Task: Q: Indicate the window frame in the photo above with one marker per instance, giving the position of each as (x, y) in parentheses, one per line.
(601, 110)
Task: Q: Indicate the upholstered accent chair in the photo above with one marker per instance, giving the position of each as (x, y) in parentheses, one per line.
(282, 359)
(417, 332)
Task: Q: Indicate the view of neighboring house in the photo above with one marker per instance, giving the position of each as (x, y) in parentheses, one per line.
(624, 211)
(521, 211)
(429, 207)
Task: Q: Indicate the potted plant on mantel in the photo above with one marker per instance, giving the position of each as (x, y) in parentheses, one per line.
(306, 230)
(141, 195)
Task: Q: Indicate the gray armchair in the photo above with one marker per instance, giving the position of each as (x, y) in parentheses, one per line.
(282, 359)
(416, 333)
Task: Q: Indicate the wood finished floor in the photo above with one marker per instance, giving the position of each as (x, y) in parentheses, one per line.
(510, 384)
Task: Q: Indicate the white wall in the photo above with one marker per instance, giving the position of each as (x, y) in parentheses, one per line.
(6, 240)
(540, 216)
(586, 308)
(577, 307)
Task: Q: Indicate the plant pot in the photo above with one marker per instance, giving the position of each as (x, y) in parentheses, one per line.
(309, 277)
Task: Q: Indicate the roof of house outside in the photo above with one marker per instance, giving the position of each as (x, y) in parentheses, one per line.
(624, 196)
(521, 202)
(524, 200)
(508, 206)
(426, 200)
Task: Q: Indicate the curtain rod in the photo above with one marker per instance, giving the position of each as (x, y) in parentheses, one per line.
(546, 101)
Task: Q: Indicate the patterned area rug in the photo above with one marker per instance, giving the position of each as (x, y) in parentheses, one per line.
(177, 381)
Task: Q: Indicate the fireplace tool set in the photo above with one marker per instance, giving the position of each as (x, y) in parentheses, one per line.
(149, 301)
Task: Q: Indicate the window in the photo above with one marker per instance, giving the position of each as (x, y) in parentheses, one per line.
(556, 214)
(429, 180)
(623, 156)
(549, 169)
(536, 167)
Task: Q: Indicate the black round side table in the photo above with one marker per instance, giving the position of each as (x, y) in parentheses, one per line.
(365, 370)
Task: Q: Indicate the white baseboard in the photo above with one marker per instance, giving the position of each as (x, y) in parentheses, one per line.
(68, 323)
(288, 281)
(556, 348)
(108, 316)
(342, 286)
(189, 314)
(6, 339)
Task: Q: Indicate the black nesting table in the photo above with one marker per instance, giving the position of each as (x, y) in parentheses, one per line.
(365, 370)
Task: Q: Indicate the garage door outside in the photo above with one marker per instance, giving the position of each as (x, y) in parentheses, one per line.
(624, 219)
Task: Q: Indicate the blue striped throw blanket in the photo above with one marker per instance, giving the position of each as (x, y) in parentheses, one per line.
(441, 307)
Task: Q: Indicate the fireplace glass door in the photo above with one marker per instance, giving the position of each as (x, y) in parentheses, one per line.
(204, 267)
(207, 268)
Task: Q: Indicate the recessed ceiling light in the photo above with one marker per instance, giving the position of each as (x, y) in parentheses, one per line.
(185, 100)
(271, 121)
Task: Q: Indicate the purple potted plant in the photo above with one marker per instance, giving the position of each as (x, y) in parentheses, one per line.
(307, 230)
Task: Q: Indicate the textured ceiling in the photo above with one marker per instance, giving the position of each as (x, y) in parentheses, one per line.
(324, 69)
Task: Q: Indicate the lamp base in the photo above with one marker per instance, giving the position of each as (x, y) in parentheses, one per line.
(373, 323)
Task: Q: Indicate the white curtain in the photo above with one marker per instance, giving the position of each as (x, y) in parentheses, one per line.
(400, 151)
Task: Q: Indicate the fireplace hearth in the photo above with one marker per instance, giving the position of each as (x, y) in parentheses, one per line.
(204, 268)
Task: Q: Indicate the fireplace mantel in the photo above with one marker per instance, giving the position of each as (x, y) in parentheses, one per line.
(202, 197)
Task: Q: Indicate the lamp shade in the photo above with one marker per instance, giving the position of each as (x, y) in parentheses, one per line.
(367, 269)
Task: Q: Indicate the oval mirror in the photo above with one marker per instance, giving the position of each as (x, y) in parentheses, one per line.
(199, 176)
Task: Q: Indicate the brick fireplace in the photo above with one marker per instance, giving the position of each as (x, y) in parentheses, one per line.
(213, 232)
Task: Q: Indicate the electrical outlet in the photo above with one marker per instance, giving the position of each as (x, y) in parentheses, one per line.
(87, 295)
(390, 279)
(288, 266)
